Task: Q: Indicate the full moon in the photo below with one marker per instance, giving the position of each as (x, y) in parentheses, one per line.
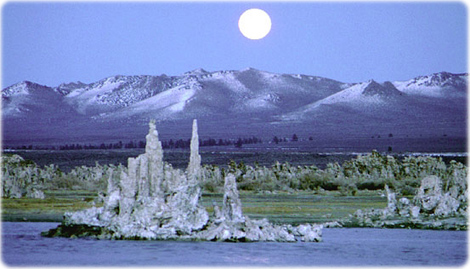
(254, 23)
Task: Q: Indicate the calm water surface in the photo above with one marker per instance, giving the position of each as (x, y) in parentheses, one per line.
(22, 245)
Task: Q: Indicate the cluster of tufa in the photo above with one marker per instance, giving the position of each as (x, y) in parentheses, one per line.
(21, 178)
(152, 200)
(433, 207)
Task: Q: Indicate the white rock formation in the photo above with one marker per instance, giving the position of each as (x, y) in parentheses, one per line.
(231, 225)
(35, 194)
(430, 204)
(391, 201)
(430, 200)
(232, 205)
(194, 166)
(20, 179)
(429, 193)
(433, 200)
(151, 200)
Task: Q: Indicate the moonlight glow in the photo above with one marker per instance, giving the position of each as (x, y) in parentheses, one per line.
(254, 23)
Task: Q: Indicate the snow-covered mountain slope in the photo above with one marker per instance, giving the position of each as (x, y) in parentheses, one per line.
(238, 99)
(200, 93)
(28, 99)
(442, 84)
(371, 107)
(364, 96)
(163, 105)
(115, 92)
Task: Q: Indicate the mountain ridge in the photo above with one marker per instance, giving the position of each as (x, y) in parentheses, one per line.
(247, 100)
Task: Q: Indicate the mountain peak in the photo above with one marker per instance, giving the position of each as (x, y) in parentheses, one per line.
(71, 84)
(372, 82)
(22, 88)
(438, 80)
(27, 83)
(197, 71)
(384, 89)
(248, 69)
(66, 88)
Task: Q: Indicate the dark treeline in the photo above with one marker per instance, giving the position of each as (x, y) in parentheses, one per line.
(166, 144)
(295, 138)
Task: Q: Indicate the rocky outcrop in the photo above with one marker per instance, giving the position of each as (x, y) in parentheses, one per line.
(151, 200)
(229, 224)
(21, 178)
(433, 200)
(431, 208)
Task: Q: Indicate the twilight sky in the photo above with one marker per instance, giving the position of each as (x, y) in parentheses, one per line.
(51, 43)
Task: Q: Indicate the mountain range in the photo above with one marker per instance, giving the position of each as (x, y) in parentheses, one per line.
(232, 104)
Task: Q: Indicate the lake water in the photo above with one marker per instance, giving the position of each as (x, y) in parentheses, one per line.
(22, 245)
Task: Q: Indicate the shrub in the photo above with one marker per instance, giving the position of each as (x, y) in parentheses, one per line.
(371, 185)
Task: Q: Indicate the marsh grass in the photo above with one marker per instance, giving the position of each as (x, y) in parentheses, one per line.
(301, 207)
(281, 208)
(51, 208)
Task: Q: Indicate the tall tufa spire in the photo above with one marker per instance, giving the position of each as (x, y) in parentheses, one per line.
(153, 144)
(153, 162)
(194, 166)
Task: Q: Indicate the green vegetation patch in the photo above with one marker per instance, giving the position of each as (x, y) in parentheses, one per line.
(50, 209)
(279, 208)
(301, 207)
